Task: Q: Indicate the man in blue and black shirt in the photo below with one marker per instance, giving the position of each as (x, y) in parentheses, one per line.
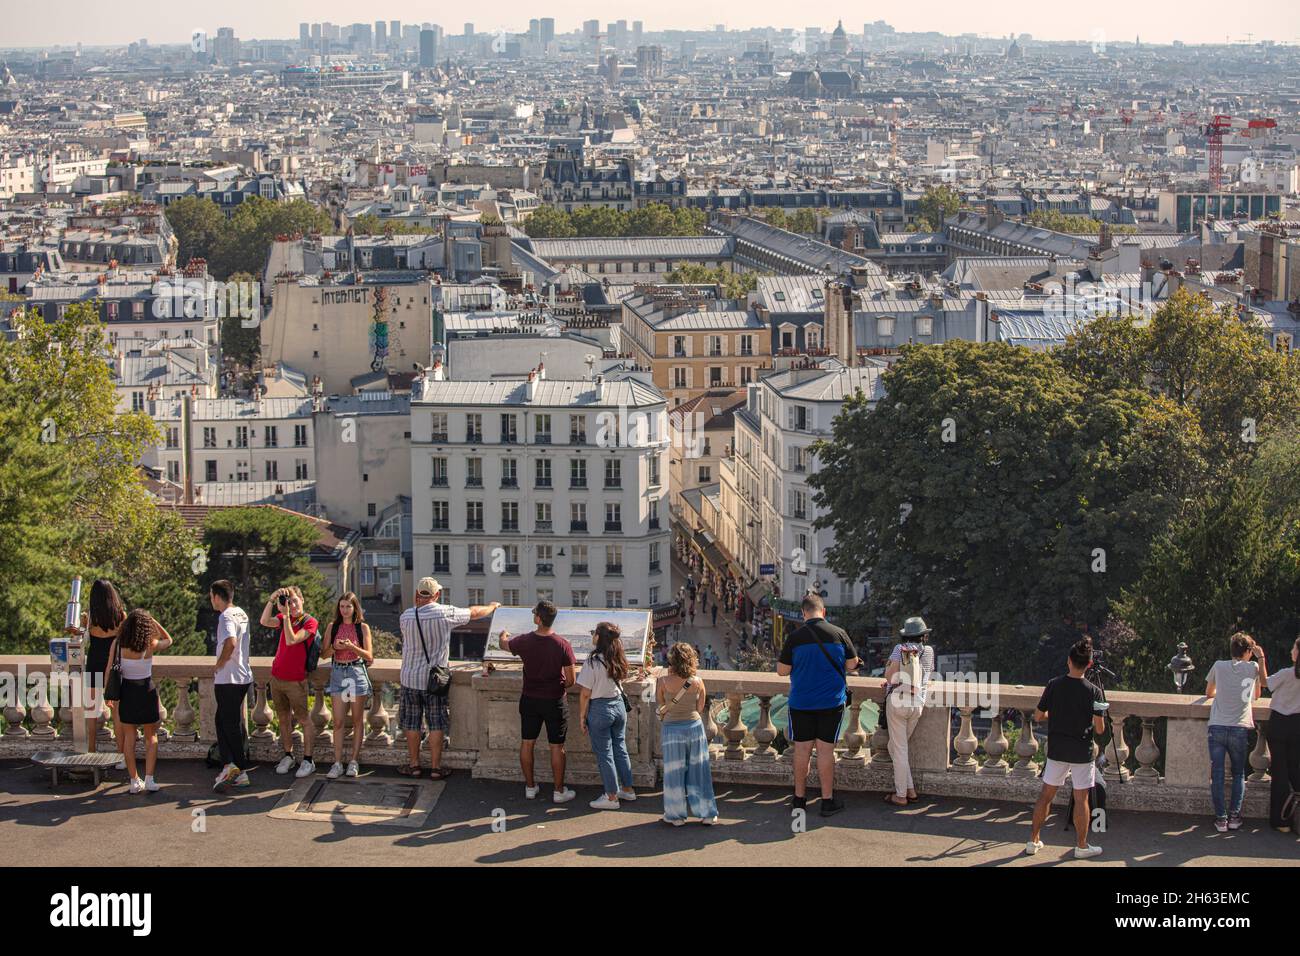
(817, 658)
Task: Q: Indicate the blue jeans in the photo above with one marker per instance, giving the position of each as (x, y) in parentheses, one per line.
(606, 723)
(1229, 742)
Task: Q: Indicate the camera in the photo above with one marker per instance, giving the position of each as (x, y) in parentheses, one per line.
(281, 600)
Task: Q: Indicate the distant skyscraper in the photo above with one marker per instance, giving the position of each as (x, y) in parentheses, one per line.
(636, 33)
(304, 35)
(469, 29)
(591, 29)
(535, 31)
(395, 30)
(381, 34)
(428, 49)
(548, 31)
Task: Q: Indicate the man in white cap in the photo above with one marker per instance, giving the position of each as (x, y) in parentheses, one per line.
(426, 648)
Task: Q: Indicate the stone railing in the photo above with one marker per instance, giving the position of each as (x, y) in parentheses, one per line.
(484, 735)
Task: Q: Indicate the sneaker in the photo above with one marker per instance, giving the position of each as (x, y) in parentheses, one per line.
(151, 785)
(228, 776)
(137, 785)
(603, 803)
(242, 780)
(676, 823)
(1221, 824)
(354, 769)
(628, 795)
(1283, 829)
(1084, 852)
(1235, 821)
(709, 821)
(563, 796)
(531, 792)
(335, 771)
(305, 769)
(1032, 847)
(832, 806)
(800, 803)
(285, 764)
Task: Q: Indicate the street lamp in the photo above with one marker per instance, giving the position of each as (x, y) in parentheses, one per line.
(1180, 666)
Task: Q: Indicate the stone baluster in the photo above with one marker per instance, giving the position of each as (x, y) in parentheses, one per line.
(1147, 753)
(1117, 752)
(164, 734)
(764, 732)
(105, 736)
(320, 717)
(378, 719)
(42, 713)
(995, 746)
(348, 722)
(261, 712)
(1026, 747)
(64, 717)
(711, 728)
(735, 729)
(965, 743)
(185, 715)
(15, 714)
(855, 738)
(1260, 757)
(880, 741)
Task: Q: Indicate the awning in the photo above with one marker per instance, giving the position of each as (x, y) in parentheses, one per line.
(758, 592)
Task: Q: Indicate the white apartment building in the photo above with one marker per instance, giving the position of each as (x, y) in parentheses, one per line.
(235, 441)
(523, 490)
(796, 408)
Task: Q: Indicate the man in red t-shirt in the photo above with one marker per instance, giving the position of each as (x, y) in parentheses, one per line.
(548, 674)
(284, 612)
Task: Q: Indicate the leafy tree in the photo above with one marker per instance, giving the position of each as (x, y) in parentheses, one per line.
(243, 245)
(776, 217)
(260, 549)
(992, 535)
(938, 203)
(242, 344)
(548, 222)
(198, 225)
(599, 221)
(735, 285)
(1230, 561)
(1074, 225)
(804, 221)
(368, 224)
(66, 467)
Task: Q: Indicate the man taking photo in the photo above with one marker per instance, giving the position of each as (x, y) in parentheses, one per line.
(1074, 709)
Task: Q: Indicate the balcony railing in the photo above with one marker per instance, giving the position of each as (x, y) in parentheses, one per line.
(474, 438)
(441, 525)
(577, 484)
(474, 567)
(579, 570)
(578, 527)
(543, 527)
(654, 566)
(614, 527)
(509, 482)
(509, 525)
(438, 436)
(542, 438)
(474, 525)
(1158, 763)
(441, 567)
(546, 570)
(511, 569)
(543, 483)
(439, 481)
(614, 569)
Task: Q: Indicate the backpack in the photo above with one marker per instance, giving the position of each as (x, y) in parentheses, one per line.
(909, 667)
(313, 652)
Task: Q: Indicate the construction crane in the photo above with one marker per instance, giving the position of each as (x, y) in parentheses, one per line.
(1214, 130)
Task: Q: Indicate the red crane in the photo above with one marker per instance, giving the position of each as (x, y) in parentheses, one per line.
(1214, 131)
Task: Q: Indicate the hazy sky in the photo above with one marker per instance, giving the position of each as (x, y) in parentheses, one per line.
(1193, 21)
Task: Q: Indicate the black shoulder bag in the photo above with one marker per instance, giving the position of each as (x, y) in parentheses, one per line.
(844, 675)
(439, 682)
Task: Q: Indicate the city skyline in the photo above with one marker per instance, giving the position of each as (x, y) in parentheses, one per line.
(1198, 22)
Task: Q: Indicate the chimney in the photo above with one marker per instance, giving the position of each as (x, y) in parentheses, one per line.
(600, 388)
(437, 370)
(541, 370)
(531, 387)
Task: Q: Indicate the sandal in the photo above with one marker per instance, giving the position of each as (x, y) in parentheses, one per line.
(914, 799)
(889, 799)
(440, 773)
(410, 771)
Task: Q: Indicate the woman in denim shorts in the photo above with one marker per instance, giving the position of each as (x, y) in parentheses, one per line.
(347, 643)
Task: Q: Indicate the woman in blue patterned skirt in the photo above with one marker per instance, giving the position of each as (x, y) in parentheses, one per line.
(688, 781)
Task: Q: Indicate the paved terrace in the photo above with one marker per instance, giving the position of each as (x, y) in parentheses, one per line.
(978, 789)
(79, 823)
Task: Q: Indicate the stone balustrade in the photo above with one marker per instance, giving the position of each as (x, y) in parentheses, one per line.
(1160, 762)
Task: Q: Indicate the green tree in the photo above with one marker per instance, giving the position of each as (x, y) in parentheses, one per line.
(260, 549)
(688, 221)
(599, 221)
(937, 204)
(548, 222)
(244, 243)
(734, 285)
(979, 490)
(198, 225)
(656, 219)
(67, 466)
(776, 217)
(238, 341)
(804, 221)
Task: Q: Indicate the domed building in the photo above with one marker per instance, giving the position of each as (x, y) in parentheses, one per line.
(839, 40)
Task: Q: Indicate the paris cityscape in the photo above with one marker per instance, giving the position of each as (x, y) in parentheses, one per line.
(879, 410)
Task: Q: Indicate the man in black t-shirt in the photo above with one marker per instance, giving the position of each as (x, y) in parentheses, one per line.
(1073, 708)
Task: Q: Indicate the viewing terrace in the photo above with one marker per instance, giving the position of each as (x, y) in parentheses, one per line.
(977, 789)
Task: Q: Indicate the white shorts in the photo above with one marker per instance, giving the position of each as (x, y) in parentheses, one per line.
(1082, 775)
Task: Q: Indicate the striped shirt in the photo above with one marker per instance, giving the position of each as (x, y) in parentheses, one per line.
(436, 621)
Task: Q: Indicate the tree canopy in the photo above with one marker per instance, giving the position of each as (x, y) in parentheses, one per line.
(655, 219)
(938, 203)
(242, 242)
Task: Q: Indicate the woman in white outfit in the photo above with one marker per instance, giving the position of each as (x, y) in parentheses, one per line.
(907, 677)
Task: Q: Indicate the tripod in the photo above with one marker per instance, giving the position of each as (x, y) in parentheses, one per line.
(1093, 675)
